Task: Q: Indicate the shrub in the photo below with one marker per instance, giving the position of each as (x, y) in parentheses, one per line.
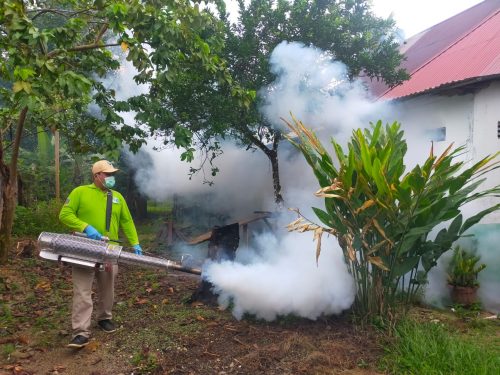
(43, 217)
(382, 216)
(463, 268)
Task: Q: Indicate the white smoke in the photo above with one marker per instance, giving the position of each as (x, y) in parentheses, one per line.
(284, 279)
(279, 275)
(485, 239)
(315, 88)
(242, 185)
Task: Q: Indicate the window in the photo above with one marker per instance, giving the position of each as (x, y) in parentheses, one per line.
(439, 134)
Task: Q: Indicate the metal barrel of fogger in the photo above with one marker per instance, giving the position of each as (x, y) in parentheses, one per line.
(73, 248)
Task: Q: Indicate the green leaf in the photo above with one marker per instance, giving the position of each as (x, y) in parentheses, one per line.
(455, 226)
(412, 236)
(323, 216)
(379, 177)
(405, 265)
(477, 218)
(364, 153)
(17, 86)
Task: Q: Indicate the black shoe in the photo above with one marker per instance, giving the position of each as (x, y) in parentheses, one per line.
(78, 342)
(107, 325)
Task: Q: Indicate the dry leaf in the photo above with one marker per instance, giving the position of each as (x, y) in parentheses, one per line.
(124, 46)
(43, 285)
(318, 232)
(351, 253)
(381, 231)
(365, 205)
(93, 346)
(378, 262)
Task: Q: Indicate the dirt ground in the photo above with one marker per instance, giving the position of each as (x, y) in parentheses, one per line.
(162, 332)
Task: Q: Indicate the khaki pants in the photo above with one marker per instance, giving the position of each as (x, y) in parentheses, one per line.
(83, 278)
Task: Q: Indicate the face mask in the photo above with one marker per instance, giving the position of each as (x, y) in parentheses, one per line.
(109, 182)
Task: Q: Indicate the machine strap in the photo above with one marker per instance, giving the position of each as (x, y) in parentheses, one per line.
(109, 208)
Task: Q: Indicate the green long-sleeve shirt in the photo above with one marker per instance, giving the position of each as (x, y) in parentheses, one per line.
(87, 205)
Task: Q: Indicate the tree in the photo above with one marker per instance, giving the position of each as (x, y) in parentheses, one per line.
(55, 54)
(195, 109)
(383, 216)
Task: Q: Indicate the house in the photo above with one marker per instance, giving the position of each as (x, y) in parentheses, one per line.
(453, 94)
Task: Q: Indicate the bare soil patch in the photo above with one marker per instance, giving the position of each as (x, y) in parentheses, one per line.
(161, 333)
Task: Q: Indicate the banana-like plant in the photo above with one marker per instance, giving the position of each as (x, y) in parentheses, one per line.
(382, 215)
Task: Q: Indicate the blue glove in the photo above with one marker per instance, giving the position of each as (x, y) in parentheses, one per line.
(91, 232)
(138, 249)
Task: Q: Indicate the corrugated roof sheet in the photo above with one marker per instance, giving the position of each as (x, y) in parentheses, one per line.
(459, 49)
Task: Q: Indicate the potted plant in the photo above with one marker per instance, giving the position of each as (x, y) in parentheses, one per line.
(462, 276)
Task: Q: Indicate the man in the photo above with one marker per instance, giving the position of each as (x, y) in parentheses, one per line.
(86, 211)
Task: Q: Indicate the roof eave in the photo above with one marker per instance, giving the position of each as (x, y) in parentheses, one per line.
(448, 86)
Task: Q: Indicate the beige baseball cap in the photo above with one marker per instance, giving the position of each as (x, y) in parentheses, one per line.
(103, 166)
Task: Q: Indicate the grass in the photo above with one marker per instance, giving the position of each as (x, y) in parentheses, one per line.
(159, 207)
(433, 348)
(7, 349)
(145, 362)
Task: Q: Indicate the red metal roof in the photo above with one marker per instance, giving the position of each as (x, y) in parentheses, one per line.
(459, 49)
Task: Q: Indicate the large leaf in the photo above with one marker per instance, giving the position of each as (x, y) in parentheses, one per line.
(405, 265)
(411, 237)
(477, 218)
(323, 216)
(379, 177)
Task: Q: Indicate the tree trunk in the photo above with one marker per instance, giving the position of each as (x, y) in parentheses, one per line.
(273, 157)
(9, 196)
(21, 196)
(4, 178)
(8, 186)
(272, 154)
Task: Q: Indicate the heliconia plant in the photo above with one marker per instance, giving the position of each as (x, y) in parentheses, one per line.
(383, 216)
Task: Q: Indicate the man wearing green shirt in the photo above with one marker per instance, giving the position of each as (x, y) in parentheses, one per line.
(85, 211)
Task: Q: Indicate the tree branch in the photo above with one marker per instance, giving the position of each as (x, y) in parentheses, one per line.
(83, 47)
(101, 33)
(255, 140)
(61, 12)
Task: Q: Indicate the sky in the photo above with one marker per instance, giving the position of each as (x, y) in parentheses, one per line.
(414, 16)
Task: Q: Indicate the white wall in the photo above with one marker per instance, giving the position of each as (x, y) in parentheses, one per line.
(486, 141)
(421, 115)
(470, 120)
